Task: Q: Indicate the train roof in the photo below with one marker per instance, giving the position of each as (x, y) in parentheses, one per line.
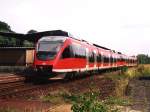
(34, 37)
(101, 47)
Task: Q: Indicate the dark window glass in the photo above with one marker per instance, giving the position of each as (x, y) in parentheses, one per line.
(74, 51)
(47, 46)
(95, 55)
(111, 59)
(115, 60)
(99, 58)
(102, 58)
(91, 56)
(106, 59)
(67, 53)
(43, 55)
(79, 51)
(47, 50)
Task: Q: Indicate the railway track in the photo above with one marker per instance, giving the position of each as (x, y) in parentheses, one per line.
(18, 86)
(12, 85)
(10, 78)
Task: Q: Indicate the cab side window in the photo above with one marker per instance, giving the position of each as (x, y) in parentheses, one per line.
(67, 53)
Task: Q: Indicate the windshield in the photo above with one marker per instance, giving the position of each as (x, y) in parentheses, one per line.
(49, 46)
(53, 46)
(47, 50)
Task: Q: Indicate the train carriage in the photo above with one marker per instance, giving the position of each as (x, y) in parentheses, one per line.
(62, 54)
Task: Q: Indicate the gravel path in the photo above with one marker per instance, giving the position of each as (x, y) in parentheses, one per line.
(140, 93)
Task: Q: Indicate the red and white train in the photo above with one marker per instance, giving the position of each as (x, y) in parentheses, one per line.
(66, 54)
(57, 52)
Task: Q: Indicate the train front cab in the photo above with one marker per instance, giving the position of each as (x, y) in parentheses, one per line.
(47, 52)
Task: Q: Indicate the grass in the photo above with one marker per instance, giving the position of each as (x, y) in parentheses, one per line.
(52, 98)
(145, 70)
(140, 71)
(130, 73)
(117, 101)
(7, 110)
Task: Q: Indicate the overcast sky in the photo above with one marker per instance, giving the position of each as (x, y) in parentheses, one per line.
(123, 25)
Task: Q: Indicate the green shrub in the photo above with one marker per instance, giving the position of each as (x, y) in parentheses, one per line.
(124, 69)
(88, 102)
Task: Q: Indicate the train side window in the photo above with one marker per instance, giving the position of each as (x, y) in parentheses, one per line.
(102, 58)
(114, 59)
(111, 59)
(106, 59)
(79, 52)
(67, 53)
(91, 57)
(83, 52)
(99, 57)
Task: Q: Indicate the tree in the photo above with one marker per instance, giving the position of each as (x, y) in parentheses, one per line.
(13, 42)
(4, 27)
(32, 31)
(5, 41)
(28, 43)
(143, 59)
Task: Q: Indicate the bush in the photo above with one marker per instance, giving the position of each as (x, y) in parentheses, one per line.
(88, 103)
(124, 69)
